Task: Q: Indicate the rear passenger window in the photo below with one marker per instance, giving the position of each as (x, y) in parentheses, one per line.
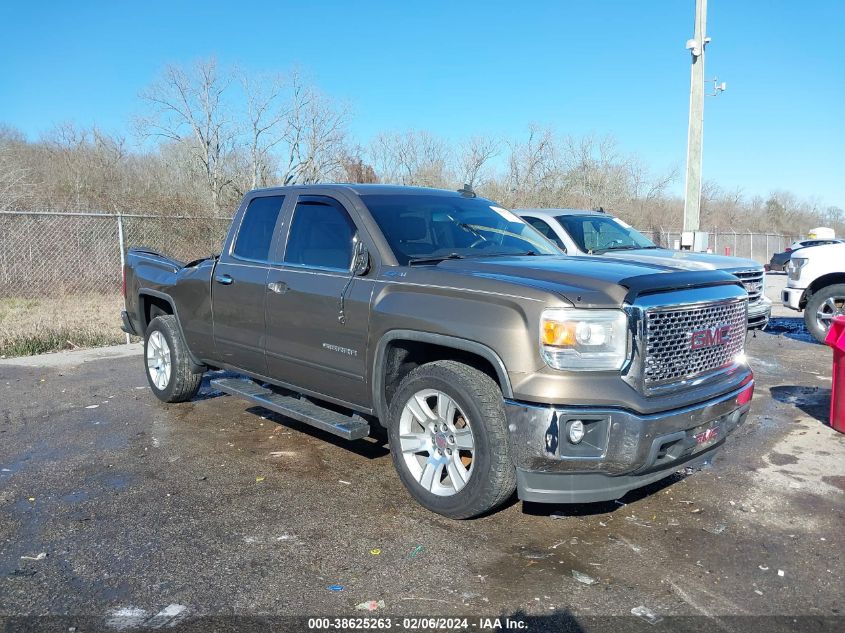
(256, 231)
(321, 234)
(546, 230)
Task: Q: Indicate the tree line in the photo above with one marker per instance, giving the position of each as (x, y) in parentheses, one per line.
(205, 134)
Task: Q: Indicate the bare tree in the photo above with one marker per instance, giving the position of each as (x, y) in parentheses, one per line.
(314, 137)
(354, 168)
(596, 174)
(67, 147)
(211, 134)
(474, 157)
(412, 158)
(646, 193)
(835, 217)
(723, 208)
(14, 189)
(189, 108)
(532, 176)
(267, 113)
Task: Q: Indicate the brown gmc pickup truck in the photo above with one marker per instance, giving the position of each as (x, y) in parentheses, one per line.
(495, 362)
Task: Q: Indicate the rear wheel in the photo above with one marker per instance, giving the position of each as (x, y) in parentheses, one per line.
(822, 307)
(448, 439)
(170, 370)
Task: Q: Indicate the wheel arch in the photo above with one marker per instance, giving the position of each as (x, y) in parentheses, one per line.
(819, 283)
(149, 302)
(400, 351)
(829, 279)
(152, 303)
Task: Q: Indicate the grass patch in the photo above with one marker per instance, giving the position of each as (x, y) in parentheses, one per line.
(36, 326)
(52, 340)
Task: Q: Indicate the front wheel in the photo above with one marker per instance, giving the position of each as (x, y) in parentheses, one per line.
(169, 368)
(448, 439)
(822, 307)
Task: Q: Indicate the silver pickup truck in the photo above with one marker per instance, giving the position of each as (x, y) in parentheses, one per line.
(495, 363)
(580, 232)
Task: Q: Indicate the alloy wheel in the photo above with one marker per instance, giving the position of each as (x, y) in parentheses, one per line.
(833, 306)
(436, 442)
(158, 360)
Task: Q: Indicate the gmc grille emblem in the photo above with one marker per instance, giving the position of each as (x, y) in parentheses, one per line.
(709, 337)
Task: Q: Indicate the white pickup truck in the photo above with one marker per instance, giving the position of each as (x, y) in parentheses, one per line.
(816, 285)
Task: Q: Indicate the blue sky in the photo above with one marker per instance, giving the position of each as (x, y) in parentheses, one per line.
(475, 67)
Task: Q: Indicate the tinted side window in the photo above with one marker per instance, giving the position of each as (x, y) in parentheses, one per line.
(256, 231)
(546, 230)
(321, 234)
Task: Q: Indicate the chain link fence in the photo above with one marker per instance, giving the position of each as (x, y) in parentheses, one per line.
(59, 254)
(60, 273)
(757, 246)
(49, 254)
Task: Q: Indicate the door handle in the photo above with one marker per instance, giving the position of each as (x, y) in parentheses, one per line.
(279, 287)
(226, 280)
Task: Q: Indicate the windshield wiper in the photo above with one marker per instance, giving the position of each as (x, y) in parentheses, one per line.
(472, 229)
(433, 260)
(522, 254)
(629, 247)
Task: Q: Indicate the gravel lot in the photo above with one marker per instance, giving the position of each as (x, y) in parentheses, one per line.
(163, 514)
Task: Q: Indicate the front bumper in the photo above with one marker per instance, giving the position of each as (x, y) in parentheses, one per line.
(791, 297)
(759, 313)
(620, 451)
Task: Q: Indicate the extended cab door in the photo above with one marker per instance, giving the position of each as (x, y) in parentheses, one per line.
(239, 284)
(310, 343)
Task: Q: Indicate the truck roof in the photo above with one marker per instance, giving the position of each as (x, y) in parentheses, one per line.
(556, 212)
(366, 189)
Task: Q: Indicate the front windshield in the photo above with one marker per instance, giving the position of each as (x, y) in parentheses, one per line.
(424, 227)
(602, 233)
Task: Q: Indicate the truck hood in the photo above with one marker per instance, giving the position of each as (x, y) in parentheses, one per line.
(833, 251)
(588, 281)
(686, 260)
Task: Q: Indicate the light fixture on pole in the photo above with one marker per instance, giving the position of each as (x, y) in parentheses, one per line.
(718, 87)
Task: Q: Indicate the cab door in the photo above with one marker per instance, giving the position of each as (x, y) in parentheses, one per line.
(239, 285)
(314, 341)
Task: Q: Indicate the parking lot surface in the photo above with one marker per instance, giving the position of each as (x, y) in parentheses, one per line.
(121, 511)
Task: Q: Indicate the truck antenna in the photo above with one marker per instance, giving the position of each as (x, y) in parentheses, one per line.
(466, 191)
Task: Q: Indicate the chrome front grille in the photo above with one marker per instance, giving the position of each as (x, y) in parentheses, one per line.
(753, 282)
(682, 343)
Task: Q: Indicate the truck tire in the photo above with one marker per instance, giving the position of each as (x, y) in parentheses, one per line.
(449, 440)
(169, 367)
(822, 306)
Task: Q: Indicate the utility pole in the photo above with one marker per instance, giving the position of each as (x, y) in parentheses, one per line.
(696, 46)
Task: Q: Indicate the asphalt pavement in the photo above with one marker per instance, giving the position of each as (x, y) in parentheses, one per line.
(120, 512)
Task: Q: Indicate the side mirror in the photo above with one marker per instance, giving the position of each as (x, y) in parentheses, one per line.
(360, 260)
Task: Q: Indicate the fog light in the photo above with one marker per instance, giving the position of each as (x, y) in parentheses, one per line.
(576, 431)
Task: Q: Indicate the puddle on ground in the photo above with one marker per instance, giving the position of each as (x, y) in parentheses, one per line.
(791, 328)
(114, 481)
(835, 480)
(75, 497)
(32, 458)
(813, 401)
(781, 459)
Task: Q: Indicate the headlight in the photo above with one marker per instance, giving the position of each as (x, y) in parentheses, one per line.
(572, 338)
(794, 267)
